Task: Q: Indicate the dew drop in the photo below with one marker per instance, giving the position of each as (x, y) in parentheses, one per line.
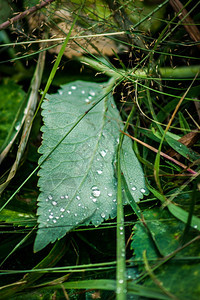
(133, 188)
(94, 200)
(121, 227)
(50, 197)
(79, 204)
(87, 100)
(47, 220)
(47, 200)
(50, 217)
(89, 97)
(75, 215)
(57, 218)
(49, 210)
(66, 196)
(96, 193)
(60, 92)
(17, 126)
(51, 213)
(61, 216)
(103, 215)
(68, 211)
(91, 93)
(143, 191)
(62, 209)
(78, 197)
(54, 203)
(82, 92)
(195, 226)
(99, 172)
(121, 281)
(103, 153)
(69, 93)
(73, 87)
(54, 221)
(62, 197)
(114, 200)
(110, 194)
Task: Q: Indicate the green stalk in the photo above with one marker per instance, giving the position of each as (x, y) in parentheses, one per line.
(121, 287)
(179, 72)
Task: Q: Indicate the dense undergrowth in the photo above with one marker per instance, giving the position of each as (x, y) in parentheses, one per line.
(99, 149)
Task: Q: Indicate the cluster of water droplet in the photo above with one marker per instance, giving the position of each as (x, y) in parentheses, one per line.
(87, 94)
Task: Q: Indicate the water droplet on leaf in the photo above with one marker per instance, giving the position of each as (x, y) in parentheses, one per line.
(103, 215)
(96, 192)
(103, 153)
(91, 93)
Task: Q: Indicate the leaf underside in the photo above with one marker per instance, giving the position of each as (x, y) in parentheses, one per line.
(77, 181)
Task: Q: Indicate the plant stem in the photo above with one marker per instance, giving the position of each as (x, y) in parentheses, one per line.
(179, 72)
(121, 263)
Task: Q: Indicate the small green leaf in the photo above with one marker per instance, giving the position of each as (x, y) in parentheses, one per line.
(180, 275)
(77, 182)
(11, 96)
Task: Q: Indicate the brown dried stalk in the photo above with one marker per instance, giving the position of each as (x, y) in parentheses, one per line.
(25, 13)
(191, 28)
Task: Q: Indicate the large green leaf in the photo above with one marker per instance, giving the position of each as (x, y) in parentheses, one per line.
(77, 182)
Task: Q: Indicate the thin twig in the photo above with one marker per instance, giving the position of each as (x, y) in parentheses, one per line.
(161, 153)
(27, 12)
